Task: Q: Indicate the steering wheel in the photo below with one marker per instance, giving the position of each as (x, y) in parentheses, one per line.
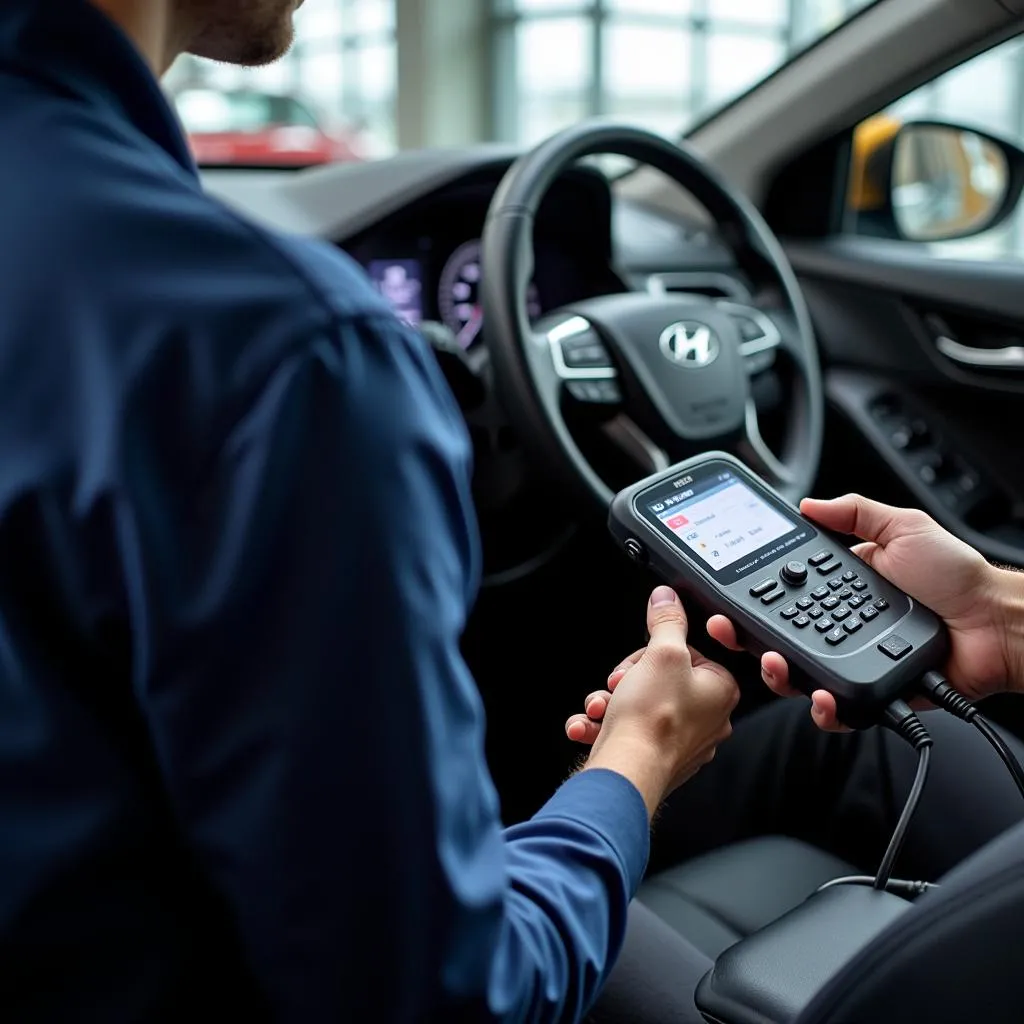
(677, 368)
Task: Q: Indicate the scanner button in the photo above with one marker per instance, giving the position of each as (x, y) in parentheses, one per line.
(859, 585)
(820, 558)
(827, 570)
(836, 584)
(795, 574)
(636, 551)
(849, 576)
(815, 613)
(836, 637)
(841, 613)
(895, 647)
(829, 603)
(882, 605)
(845, 595)
(778, 595)
(852, 625)
(819, 593)
(868, 614)
(762, 588)
(856, 602)
(804, 603)
(824, 625)
(802, 621)
(790, 613)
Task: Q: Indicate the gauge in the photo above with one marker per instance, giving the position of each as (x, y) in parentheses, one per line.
(459, 294)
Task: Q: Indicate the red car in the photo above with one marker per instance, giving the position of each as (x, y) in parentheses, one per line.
(257, 129)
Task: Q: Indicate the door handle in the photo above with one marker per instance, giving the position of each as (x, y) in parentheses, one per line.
(1009, 358)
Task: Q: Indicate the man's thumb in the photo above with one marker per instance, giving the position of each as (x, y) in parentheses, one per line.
(666, 619)
(866, 519)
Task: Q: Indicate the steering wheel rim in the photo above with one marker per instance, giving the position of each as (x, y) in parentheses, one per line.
(522, 359)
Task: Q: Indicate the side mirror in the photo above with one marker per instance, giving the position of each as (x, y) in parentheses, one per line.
(927, 181)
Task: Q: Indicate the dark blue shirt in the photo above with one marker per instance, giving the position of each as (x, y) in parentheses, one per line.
(241, 758)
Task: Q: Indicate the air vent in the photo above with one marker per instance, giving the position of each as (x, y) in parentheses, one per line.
(714, 286)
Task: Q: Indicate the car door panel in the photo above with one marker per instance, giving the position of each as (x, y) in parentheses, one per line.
(950, 433)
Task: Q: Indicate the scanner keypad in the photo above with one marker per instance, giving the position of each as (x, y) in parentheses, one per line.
(839, 605)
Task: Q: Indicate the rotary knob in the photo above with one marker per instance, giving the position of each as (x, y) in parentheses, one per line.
(795, 574)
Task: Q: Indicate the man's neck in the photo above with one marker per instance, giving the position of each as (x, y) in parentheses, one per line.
(149, 25)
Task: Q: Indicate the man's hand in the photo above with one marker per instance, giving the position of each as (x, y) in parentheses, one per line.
(664, 712)
(931, 565)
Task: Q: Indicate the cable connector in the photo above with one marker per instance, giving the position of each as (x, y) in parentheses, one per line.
(900, 718)
(939, 692)
(942, 695)
(897, 886)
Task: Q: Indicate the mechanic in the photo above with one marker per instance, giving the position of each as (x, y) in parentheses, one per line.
(842, 795)
(241, 758)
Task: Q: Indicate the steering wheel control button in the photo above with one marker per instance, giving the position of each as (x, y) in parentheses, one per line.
(852, 625)
(794, 573)
(595, 392)
(762, 588)
(841, 613)
(882, 605)
(836, 637)
(830, 568)
(820, 593)
(580, 353)
(778, 595)
(820, 558)
(804, 603)
(895, 647)
(636, 551)
(868, 614)
(824, 625)
(802, 621)
(791, 612)
(859, 585)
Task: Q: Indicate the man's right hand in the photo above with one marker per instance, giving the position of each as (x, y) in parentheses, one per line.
(982, 606)
(669, 711)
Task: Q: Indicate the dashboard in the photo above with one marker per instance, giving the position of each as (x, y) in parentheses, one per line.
(427, 262)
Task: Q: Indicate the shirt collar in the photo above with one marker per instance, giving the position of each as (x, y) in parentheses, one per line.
(76, 48)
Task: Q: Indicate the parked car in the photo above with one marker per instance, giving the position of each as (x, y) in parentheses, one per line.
(259, 129)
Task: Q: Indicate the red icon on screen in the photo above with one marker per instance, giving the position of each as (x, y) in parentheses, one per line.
(678, 522)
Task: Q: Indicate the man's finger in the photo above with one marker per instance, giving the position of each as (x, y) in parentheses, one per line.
(596, 705)
(625, 665)
(775, 673)
(666, 620)
(721, 630)
(867, 552)
(852, 513)
(581, 729)
(824, 713)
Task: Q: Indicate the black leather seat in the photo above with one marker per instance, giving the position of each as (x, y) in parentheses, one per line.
(715, 901)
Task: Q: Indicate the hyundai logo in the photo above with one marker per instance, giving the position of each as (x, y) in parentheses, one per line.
(689, 343)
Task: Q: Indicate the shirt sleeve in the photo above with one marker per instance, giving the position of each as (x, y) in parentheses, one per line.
(297, 661)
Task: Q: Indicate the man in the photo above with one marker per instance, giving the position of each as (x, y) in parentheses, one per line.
(241, 758)
(781, 775)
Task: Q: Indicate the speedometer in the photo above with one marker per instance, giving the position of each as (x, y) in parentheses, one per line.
(459, 294)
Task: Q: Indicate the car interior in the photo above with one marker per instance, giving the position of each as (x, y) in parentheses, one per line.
(826, 237)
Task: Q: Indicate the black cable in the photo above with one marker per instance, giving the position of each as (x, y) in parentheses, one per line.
(900, 719)
(984, 726)
(940, 693)
(897, 886)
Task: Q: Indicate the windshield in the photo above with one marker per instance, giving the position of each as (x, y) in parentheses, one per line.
(363, 80)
